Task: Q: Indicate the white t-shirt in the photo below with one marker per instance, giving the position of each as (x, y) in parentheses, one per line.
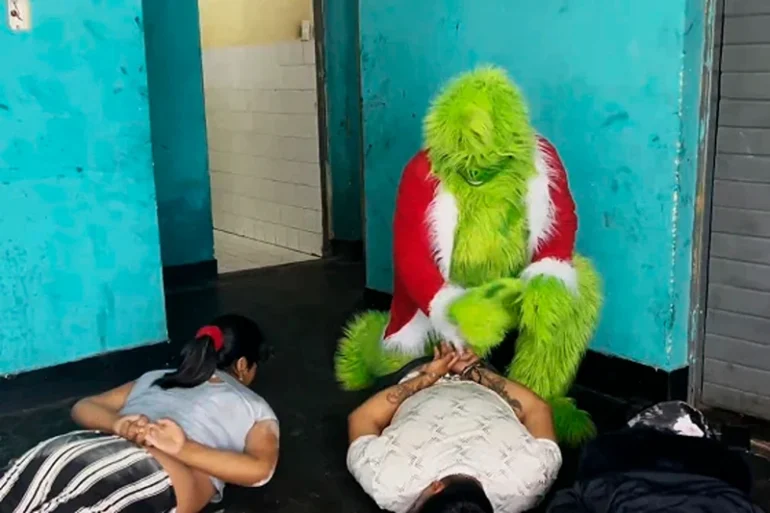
(455, 427)
(218, 414)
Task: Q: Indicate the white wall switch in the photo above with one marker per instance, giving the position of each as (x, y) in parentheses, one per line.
(306, 30)
(19, 15)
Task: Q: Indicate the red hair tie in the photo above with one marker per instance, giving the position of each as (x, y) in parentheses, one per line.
(215, 334)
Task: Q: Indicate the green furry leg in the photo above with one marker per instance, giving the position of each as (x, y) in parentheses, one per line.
(555, 329)
(485, 314)
(573, 426)
(360, 357)
(554, 333)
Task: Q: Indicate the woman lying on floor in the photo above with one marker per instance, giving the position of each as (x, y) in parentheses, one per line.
(169, 440)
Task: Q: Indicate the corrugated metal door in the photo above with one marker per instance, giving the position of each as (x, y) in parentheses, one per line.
(736, 367)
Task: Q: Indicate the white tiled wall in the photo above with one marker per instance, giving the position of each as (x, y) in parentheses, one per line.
(262, 122)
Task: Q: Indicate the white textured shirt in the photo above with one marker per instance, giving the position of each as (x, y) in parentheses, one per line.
(455, 427)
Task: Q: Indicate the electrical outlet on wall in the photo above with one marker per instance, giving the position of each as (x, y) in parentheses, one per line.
(306, 30)
(19, 15)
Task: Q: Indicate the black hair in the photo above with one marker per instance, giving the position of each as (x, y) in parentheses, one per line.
(460, 495)
(241, 338)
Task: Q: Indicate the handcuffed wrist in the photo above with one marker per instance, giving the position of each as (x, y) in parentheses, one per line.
(470, 368)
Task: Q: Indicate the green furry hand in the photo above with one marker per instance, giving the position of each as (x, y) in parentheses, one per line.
(485, 314)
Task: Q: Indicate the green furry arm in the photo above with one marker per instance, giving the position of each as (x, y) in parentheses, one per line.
(485, 314)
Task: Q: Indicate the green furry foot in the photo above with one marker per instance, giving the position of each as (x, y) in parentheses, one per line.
(360, 358)
(485, 314)
(574, 426)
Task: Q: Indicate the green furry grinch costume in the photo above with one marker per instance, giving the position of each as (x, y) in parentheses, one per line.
(483, 236)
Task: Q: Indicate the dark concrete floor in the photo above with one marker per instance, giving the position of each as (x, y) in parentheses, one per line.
(300, 308)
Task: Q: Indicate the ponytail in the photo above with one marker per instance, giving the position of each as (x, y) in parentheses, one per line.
(217, 346)
(200, 359)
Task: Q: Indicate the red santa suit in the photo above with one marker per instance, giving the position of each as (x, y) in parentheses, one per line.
(423, 241)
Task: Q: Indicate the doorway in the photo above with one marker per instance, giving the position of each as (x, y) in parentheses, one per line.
(260, 86)
(735, 359)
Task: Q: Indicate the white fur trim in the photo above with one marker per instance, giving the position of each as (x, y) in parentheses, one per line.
(439, 315)
(539, 206)
(442, 219)
(410, 339)
(560, 269)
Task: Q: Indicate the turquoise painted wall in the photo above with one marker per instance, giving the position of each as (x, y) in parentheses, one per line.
(614, 84)
(80, 269)
(343, 117)
(179, 148)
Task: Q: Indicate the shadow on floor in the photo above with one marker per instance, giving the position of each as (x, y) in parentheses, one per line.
(301, 308)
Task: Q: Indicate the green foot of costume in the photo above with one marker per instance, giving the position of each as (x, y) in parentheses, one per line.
(360, 357)
(573, 426)
(483, 245)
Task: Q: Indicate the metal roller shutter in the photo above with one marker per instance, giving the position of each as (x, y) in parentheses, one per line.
(736, 367)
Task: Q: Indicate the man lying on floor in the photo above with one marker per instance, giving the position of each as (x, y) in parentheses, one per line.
(451, 436)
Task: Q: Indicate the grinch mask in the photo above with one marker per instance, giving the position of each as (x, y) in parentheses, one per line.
(479, 127)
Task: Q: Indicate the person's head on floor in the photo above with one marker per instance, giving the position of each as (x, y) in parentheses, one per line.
(453, 494)
(231, 343)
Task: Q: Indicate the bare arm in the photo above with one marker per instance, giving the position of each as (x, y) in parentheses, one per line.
(263, 443)
(531, 410)
(101, 412)
(372, 417)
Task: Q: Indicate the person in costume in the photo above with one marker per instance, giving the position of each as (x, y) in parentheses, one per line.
(484, 253)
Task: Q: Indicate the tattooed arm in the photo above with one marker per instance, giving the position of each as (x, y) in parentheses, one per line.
(531, 410)
(372, 417)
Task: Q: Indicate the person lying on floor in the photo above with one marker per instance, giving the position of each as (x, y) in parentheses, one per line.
(666, 459)
(453, 436)
(169, 440)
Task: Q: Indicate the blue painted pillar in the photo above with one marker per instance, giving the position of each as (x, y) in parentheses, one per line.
(343, 117)
(179, 146)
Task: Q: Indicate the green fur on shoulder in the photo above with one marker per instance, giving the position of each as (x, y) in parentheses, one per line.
(360, 357)
(555, 330)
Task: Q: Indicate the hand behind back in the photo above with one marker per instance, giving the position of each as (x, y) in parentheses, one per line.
(166, 436)
(132, 427)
